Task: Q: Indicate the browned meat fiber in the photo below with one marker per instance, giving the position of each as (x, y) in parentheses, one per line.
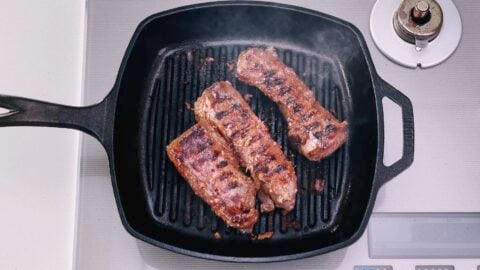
(312, 129)
(223, 107)
(205, 160)
(266, 203)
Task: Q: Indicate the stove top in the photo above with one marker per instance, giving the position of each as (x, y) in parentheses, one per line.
(441, 183)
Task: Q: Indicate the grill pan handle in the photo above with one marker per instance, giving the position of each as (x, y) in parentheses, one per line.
(388, 172)
(28, 112)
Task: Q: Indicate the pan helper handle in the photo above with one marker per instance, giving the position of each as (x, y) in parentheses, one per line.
(384, 90)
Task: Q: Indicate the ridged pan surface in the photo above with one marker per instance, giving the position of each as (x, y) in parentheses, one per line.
(178, 79)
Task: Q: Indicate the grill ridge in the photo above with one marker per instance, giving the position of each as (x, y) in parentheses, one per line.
(163, 169)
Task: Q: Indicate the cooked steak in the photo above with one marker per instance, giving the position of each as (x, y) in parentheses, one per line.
(223, 107)
(312, 129)
(205, 160)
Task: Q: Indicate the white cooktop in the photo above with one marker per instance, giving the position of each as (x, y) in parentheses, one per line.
(443, 178)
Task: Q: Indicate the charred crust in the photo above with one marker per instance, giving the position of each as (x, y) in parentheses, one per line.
(305, 117)
(254, 138)
(270, 80)
(269, 73)
(260, 167)
(318, 134)
(284, 90)
(278, 169)
(195, 134)
(222, 164)
(220, 115)
(224, 176)
(330, 128)
(244, 114)
(312, 126)
(269, 159)
(297, 107)
(233, 185)
(291, 101)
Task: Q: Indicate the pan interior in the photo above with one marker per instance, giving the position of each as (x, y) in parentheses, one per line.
(175, 57)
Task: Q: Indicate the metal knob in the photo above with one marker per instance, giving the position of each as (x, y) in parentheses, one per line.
(418, 21)
(421, 13)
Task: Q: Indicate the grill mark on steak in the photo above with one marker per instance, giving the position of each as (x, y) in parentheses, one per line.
(225, 175)
(278, 169)
(222, 164)
(330, 128)
(291, 101)
(233, 184)
(297, 107)
(260, 167)
(254, 139)
(275, 81)
(312, 126)
(318, 134)
(221, 115)
(269, 73)
(284, 90)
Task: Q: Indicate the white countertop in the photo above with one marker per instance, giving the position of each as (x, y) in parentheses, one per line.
(41, 55)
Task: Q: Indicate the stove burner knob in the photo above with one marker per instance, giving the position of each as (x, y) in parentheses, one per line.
(421, 13)
(418, 21)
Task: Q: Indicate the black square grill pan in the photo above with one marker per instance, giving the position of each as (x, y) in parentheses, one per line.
(172, 57)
